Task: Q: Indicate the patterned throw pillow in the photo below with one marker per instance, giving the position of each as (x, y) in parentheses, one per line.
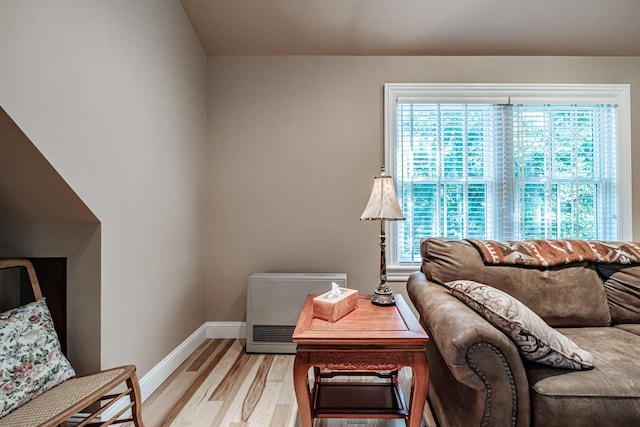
(536, 341)
(31, 361)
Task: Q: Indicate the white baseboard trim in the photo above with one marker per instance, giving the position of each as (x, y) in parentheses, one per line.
(237, 330)
(159, 373)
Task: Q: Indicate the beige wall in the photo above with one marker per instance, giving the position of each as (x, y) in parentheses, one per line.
(113, 93)
(294, 143)
(40, 216)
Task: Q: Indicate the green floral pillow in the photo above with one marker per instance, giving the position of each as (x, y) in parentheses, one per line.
(31, 361)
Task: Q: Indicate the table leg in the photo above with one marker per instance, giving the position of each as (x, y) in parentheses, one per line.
(301, 386)
(419, 387)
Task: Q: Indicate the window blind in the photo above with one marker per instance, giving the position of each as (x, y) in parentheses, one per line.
(504, 171)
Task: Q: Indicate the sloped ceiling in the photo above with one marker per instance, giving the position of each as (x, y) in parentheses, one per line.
(417, 27)
(30, 188)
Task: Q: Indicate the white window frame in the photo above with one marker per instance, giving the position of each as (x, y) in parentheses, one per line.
(511, 94)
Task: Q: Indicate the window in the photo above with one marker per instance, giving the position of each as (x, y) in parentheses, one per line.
(507, 162)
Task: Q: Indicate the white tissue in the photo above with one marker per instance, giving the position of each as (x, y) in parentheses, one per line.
(335, 291)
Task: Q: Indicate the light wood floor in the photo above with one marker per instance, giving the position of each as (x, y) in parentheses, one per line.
(220, 385)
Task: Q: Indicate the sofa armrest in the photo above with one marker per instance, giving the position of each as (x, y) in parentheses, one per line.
(478, 356)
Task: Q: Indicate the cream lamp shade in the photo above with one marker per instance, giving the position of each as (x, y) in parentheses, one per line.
(383, 203)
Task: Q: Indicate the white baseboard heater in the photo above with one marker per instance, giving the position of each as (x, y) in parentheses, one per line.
(274, 302)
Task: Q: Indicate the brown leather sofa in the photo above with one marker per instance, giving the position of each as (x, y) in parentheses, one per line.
(478, 377)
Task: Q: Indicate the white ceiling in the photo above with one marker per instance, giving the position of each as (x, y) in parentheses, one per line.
(417, 27)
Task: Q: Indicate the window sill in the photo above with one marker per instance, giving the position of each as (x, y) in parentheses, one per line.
(400, 273)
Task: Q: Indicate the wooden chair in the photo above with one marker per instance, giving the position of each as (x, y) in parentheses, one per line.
(72, 398)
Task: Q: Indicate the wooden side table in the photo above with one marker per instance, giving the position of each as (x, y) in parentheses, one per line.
(370, 341)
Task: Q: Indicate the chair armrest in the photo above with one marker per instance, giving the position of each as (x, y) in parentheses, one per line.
(476, 353)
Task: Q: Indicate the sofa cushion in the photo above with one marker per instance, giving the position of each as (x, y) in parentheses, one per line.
(31, 361)
(608, 395)
(535, 340)
(622, 286)
(634, 328)
(570, 295)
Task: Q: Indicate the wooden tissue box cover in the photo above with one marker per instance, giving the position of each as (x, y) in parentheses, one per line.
(335, 308)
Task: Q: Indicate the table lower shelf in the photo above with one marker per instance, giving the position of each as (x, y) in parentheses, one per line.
(358, 399)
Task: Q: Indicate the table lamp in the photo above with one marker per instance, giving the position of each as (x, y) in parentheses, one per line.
(383, 206)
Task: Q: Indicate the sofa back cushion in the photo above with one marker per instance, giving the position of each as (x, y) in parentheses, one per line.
(622, 285)
(571, 295)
